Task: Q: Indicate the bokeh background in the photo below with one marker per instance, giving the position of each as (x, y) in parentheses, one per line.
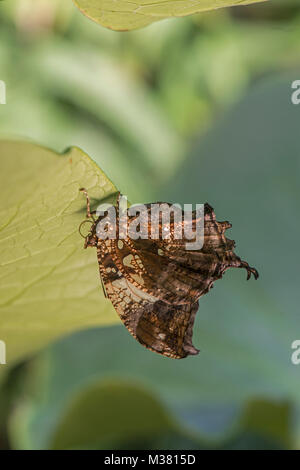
(186, 110)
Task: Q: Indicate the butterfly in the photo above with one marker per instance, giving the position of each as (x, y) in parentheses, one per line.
(155, 284)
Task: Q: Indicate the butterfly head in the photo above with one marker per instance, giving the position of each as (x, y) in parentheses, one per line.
(91, 237)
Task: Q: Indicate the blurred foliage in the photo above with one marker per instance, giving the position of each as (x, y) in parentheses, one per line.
(123, 15)
(133, 101)
(207, 403)
(188, 110)
(110, 412)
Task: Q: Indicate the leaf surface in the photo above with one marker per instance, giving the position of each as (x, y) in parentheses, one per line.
(124, 15)
(49, 284)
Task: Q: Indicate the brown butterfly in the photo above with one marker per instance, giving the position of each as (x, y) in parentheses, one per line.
(155, 284)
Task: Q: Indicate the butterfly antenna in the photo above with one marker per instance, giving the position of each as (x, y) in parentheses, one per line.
(88, 205)
(89, 213)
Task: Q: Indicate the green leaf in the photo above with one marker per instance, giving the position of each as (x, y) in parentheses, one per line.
(269, 419)
(123, 15)
(110, 411)
(49, 284)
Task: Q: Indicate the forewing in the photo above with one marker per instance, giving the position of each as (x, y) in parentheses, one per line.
(160, 276)
(166, 269)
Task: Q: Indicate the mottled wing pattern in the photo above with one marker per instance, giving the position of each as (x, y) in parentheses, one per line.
(168, 268)
(161, 327)
(155, 284)
(157, 275)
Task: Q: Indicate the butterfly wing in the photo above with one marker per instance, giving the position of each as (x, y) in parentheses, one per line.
(155, 284)
(158, 275)
(161, 327)
(166, 269)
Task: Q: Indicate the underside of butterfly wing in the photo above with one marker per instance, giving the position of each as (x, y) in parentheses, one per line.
(155, 283)
(161, 327)
(165, 268)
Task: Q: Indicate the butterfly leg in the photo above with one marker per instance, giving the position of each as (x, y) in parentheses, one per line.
(103, 286)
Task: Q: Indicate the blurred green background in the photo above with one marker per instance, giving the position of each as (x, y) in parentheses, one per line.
(188, 110)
